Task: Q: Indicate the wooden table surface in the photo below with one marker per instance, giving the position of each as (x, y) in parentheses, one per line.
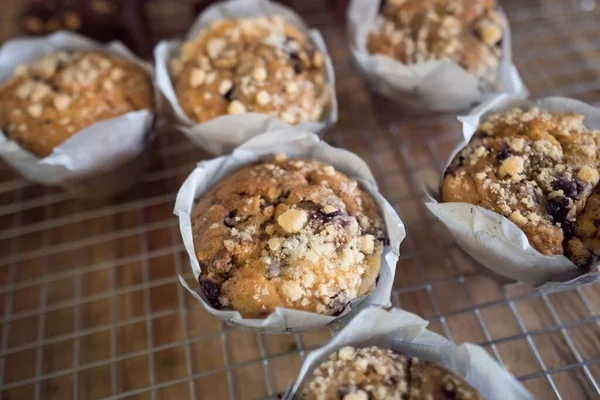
(89, 298)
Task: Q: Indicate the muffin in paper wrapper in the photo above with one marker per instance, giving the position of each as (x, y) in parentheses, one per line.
(300, 144)
(433, 85)
(494, 240)
(406, 333)
(239, 127)
(101, 160)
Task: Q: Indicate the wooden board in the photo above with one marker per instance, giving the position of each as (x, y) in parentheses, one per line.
(90, 304)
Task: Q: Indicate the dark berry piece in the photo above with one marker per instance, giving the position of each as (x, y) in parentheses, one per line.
(324, 218)
(504, 152)
(558, 208)
(212, 292)
(345, 390)
(229, 95)
(296, 62)
(568, 187)
(592, 260)
(229, 221)
(479, 134)
(568, 228)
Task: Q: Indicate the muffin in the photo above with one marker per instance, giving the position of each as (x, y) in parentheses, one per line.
(261, 65)
(381, 374)
(540, 170)
(47, 102)
(287, 233)
(468, 32)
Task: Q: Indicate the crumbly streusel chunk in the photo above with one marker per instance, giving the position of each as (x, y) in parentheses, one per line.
(538, 169)
(468, 32)
(262, 65)
(62, 93)
(287, 233)
(381, 374)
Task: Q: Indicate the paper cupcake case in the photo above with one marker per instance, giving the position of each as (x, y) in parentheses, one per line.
(100, 160)
(222, 134)
(495, 241)
(294, 143)
(431, 86)
(406, 333)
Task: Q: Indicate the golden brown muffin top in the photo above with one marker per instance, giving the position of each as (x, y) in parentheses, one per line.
(47, 102)
(535, 167)
(287, 233)
(262, 65)
(468, 32)
(381, 374)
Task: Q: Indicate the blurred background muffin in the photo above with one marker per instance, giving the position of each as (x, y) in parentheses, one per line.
(468, 32)
(47, 102)
(377, 373)
(262, 65)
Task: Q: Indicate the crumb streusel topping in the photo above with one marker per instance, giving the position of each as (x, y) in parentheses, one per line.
(60, 94)
(468, 32)
(538, 169)
(262, 65)
(381, 374)
(287, 233)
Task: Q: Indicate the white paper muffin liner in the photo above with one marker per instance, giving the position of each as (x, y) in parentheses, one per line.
(222, 134)
(432, 85)
(495, 241)
(406, 333)
(294, 143)
(85, 162)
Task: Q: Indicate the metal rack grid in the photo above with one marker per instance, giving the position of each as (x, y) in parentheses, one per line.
(89, 299)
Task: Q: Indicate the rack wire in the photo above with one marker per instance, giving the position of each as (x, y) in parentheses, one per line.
(90, 305)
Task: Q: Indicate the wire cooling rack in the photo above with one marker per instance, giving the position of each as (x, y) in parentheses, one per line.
(89, 299)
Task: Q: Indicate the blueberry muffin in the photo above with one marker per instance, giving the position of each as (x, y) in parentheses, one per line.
(468, 32)
(540, 170)
(47, 102)
(381, 374)
(261, 65)
(287, 233)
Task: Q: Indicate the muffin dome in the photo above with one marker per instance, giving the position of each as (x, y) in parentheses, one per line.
(261, 65)
(287, 233)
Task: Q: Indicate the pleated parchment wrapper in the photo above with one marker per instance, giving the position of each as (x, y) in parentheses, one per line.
(300, 144)
(433, 85)
(406, 333)
(222, 134)
(100, 160)
(495, 241)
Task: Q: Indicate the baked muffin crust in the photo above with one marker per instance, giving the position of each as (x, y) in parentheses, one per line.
(381, 374)
(49, 101)
(468, 32)
(538, 169)
(262, 65)
(287, 233)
